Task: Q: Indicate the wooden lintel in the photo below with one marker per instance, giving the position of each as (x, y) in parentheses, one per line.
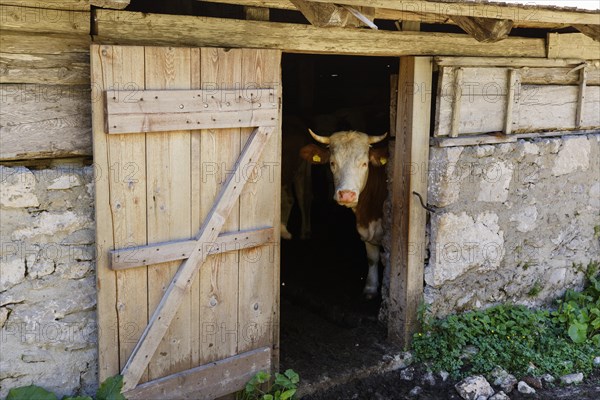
(133, 257)
(506, 62)
(572, 45)
(122, 27)
(592, 31)
(206, 382)
(485, 30)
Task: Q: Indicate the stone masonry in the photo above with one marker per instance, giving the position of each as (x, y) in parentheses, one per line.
(47, 280)
(517, 222)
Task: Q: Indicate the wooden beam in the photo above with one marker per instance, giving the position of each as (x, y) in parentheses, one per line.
(581, 98)
(515, 12)
(39, 20)
(498, 137)
(133, 257)
(69, 5)
(572, 45)
(592, 31)
(185, 275)
(115, 4)
(485, 30)
(256, 13)
(411, 155)
(206, 382)
(444, 61)
(512, 100)
(456, 102)
(123, 27)
(326, 15)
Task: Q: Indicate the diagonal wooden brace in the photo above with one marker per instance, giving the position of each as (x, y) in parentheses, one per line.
(182, 281)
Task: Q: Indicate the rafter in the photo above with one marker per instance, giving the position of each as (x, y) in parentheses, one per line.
(327, 15)
(485, 30)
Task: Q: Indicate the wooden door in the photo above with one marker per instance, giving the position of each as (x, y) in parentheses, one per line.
(187, 155)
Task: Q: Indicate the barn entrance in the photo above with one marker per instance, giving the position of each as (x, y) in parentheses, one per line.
(328, 328)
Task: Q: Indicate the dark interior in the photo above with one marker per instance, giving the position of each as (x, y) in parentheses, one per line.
(327, 326)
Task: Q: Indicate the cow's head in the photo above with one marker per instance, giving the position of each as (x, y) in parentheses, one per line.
(348, 154)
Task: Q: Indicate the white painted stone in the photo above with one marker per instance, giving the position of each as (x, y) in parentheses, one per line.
(529, 148)
(572, 378)
(49, 223)
(11, 272)
(495, 182)
(41, 268)
(500, 396)
(16, 188)
(460, 243)
(526, 219)
(446, 173)
(574, 154)
(485, 150)
(3, 316)
(66, 181)
(597, 361)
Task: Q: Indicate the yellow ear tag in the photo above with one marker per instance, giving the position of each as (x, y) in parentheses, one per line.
(316, 158)
(383, 160)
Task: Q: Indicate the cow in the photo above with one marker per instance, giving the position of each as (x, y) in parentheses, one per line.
(360, 184)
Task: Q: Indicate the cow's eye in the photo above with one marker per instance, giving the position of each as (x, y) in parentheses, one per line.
(332, 164)
(364, 164)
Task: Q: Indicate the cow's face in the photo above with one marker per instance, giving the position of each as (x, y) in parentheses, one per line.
(348, 155)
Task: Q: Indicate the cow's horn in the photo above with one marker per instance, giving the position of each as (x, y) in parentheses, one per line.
(320, 139)
(377, 139)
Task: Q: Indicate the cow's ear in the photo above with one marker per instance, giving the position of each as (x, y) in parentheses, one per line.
(315, 154)
(378, 156)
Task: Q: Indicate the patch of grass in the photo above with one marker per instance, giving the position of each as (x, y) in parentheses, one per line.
(514, 337)
(535, 289)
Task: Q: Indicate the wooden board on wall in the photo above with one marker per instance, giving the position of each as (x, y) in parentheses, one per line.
(539, 107)
(39, 20)
(44, 121)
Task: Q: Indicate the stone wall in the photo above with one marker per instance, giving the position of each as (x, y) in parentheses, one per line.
(517, 222)
(47, 279)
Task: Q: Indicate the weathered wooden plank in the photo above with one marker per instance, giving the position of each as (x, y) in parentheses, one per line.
(486, 30)
(572, 45)
(108, 338)
(409, 218)
(133, 257)
(327, 15)
(258, 304)
(581, 97)
(66, 68)
(43, 43)
(515, 12)
(256, 13)
(179, 286)
(593, 31)
(512, 100)
(219, 277)
(41, 121)
(393, 103)
(456, 102)
(67, 5)
(557, 76)
(116, 4)
(131, 123)
(127, 205)
(168, 193)
(188, 101)
(208, 381)
(127, 27)
(496, 138)
(444, 61)
(39, 20)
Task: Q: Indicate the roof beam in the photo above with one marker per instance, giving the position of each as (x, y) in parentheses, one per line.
(485, 30)
(116, 4)
(592, 31)
(515, 12)
(395, 15)
(326, 15)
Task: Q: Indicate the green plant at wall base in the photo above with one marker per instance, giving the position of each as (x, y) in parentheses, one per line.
(515, 337)
(579, 312)
(110, 389)
(284, 387)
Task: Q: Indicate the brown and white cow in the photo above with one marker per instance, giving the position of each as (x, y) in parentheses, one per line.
(360, 184)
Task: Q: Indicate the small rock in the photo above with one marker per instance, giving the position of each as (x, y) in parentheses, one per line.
(507, 383)
(547, 378)
(533, 382)
(428, 379)
(500, 396)
(407, 374)
(469, 352)
(417, 390)
(444, 375)
(597, 362)
(572, 378)
(524, 388)
(473, 387)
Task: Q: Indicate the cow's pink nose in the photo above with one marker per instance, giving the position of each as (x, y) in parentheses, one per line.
(346, 196)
